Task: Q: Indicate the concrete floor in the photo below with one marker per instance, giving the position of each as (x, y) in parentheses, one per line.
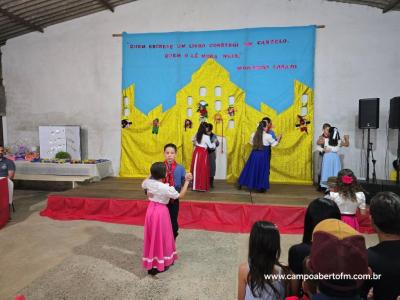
(46, 259)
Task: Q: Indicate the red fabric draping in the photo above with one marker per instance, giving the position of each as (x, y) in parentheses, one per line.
(223, 217)
(4, 210)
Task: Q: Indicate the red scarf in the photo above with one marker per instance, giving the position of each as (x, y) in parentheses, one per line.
(169, 177)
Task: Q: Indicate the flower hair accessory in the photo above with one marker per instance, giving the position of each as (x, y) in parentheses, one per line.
(346, 179)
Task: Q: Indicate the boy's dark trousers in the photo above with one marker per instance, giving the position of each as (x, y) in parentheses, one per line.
(173, 207)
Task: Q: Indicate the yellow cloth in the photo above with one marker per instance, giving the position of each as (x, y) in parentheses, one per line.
(291, 159)
(393, 175)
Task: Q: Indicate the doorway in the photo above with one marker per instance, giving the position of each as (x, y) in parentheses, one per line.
(221, 159)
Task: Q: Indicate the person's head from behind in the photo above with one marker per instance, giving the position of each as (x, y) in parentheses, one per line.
(332, 183)
(202, 130)
(318, 210)
(347, 185)
(258, 136)
(337, 248)
(396, 165)
(209, 128)
(334, 136)
(2, 151)
(170, 152)
(264, 253)
(325, 129)
(268, 123)
(385, 213)
(158, 170)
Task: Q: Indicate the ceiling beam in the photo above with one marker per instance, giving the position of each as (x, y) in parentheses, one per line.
(107, 4)
(392, 4)
(20, 20)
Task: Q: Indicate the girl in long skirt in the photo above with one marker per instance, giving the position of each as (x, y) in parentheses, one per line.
(200, 166)
(331, 164)
(159, 250)
(255, 174)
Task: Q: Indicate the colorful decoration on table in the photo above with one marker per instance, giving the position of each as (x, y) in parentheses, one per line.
(73, 161)
(20, 153)
(62, 155)
(89, 161)
(202, 110)
(302, 124)
(32, 156)
(156, 126)
(126, 124)
(231, 111)
(188, 124)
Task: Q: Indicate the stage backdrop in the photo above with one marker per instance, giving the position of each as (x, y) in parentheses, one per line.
(230, 78)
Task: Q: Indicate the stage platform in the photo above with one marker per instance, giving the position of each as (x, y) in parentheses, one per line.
(129, 188)
(225, 208)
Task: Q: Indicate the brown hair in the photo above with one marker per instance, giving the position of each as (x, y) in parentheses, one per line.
(345, 189)
(258, 136)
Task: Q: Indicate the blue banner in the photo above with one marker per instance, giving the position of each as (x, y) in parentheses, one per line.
(264, 62)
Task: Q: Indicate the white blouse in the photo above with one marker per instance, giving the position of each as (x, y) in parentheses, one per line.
(332, 148)
(205, 142)
(268, 140)
(346, 206)
(158, 191)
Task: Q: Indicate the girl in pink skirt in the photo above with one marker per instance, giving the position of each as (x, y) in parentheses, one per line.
(348, 197)
(159, 250)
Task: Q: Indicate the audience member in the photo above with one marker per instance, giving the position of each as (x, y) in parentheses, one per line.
(384, 258)
(349, 197)
(263, 259)
(337, 249)
(7, 169)
(317, 211)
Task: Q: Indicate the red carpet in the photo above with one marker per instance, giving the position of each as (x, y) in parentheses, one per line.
(223, 217)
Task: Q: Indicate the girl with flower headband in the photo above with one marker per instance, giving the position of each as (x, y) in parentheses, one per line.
(331, 164)
(348, 197)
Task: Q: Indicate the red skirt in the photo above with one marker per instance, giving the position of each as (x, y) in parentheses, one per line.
(200, 169)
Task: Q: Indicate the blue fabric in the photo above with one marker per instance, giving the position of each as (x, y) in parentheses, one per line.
(255, 174)
(331, 166)
(160, 64)
(179, 176)
(272, 133)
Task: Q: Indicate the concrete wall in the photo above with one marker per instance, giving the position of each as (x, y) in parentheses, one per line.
(71, 74)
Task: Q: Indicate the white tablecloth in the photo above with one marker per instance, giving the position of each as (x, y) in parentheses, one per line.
(98, 171)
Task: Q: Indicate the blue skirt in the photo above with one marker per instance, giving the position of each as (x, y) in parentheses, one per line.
(331, 166)
(255, 174)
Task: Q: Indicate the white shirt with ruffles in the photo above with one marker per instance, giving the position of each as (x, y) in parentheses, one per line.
(268, 140)
(346, 206)
(205, 142)
(158, 191)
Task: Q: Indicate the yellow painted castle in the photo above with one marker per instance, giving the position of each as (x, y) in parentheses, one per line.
(211, 87)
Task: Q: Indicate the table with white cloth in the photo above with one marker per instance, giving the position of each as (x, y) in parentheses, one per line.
(95, 171)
